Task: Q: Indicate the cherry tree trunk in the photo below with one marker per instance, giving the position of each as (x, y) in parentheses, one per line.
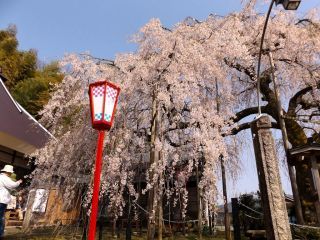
(273, 202)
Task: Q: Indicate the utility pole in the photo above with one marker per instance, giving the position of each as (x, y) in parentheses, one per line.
(274, 208)
(291, 170)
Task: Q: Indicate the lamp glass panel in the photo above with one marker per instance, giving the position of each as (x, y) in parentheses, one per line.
(291, 5)
(97, 97)
(110, 101)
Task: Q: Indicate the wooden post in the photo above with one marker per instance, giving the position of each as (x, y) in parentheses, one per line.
(100, 228)
(101, 216)
(169, 213)
(28, 215)
(210, 223)
(139, 220)
(274, 208)
(114, 228)
(128, 228)
(235, 219)
(199, 206)
(183, 225)
(160, 219)
(316, 182)
(225, 201)
(315, 174)
(291, 170)
(85, 227)
(160, 199)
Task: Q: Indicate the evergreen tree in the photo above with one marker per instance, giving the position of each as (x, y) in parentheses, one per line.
(15, 65)
(30, 85)
(33, 93)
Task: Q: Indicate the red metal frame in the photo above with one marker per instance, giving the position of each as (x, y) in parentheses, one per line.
(102, 124)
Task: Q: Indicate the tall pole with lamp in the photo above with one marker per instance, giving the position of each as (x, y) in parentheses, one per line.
(288, 5)
(103, 100)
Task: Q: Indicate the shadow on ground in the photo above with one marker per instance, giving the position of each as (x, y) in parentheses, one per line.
(58, 233)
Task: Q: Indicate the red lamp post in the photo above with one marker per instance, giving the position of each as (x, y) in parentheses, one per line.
(103, 100)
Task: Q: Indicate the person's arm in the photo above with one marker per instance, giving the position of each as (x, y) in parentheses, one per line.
(10, 184)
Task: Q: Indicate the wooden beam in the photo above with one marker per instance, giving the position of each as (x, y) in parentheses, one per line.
(316, 182)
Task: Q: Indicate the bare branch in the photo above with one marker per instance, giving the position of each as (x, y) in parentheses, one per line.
(245, 126)
(248, 71)
(308, 21)
(295, 100)
(247, 112)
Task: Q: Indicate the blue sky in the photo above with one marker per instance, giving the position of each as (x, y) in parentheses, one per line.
(99, 26)
(102, 27)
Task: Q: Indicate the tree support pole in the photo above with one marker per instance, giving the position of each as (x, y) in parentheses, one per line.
(200, 226)
(96, 187)
(129, 222)
(274, 208)
(225, 201)
(160, 219)
(316, 182)
(291, 170)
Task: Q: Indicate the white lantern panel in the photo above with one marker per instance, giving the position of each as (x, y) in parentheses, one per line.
(97, 97)
(111, 95)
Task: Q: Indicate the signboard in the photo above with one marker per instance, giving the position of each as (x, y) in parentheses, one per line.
(40, 201)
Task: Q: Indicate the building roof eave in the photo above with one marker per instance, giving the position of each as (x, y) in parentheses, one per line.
(305, 148)
(17, 123)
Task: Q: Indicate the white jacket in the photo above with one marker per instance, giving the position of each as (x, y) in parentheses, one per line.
(6, 184)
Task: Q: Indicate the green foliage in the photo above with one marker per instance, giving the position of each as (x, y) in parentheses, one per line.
(34, 93)
(29, 85)
(15, 65)
(206, 231)
(251, 220)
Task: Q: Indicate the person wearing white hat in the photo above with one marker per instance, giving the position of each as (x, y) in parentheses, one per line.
(6, 184)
